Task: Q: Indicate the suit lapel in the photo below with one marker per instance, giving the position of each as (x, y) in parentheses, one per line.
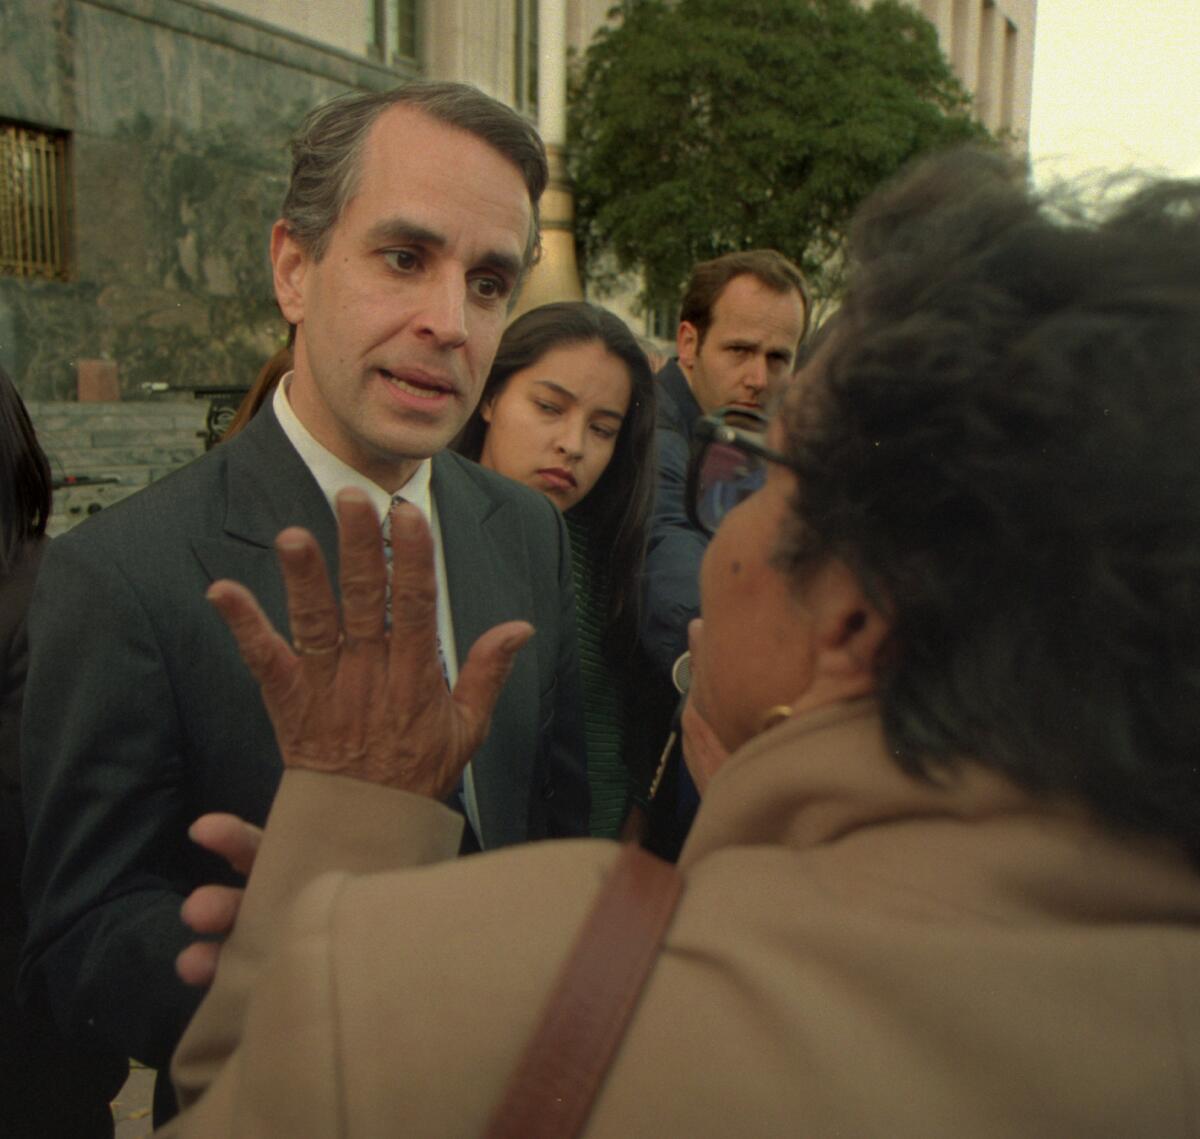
(267, 488)
(485, 555)
(476, 535)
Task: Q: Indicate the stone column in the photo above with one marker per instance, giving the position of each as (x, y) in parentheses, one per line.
(965, 54)
(994, 44)
(445, 40)
(941, 15)
(556, 276)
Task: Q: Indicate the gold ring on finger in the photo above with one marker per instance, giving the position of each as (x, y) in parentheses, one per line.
(318, 650)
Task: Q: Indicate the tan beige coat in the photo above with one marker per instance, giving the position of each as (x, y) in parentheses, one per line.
(855, 954)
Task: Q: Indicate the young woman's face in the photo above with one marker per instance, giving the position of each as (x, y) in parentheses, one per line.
(554, 425)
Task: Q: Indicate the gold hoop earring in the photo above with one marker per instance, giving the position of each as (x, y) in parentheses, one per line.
(774, 716)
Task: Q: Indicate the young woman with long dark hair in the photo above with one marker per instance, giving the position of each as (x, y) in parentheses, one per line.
(568, 409)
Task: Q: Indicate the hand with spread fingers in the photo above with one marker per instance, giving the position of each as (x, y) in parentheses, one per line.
(351, 696)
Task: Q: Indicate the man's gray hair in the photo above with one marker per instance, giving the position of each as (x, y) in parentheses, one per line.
(327, 151)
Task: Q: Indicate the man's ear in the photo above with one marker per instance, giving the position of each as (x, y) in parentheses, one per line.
(289, 264)
(687, 343)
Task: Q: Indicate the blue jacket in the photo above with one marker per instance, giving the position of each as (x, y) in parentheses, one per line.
(671, 585)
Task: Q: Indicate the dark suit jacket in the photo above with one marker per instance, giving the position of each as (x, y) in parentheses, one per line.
(47, 1086)
(675, 548)
(140, 715)
(16, 589)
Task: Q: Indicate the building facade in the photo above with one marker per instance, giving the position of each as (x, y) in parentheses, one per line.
(990, 45)
(143, 157)
(143, 253)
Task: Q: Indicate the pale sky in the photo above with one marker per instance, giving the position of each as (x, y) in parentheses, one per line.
(1116, 83)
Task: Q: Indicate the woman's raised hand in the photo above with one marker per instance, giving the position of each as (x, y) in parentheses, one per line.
(350, 696)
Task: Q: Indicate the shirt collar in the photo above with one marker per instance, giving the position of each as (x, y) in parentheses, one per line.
(332, 474)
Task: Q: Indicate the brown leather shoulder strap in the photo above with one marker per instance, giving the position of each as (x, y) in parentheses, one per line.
(551, 1093)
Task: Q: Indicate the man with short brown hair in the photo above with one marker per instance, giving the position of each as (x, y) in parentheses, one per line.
(741, 321)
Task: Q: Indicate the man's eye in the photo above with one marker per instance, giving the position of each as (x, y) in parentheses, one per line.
(489, 288)
(403, 260)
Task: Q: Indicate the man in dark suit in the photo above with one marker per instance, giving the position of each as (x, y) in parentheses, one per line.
(409, 221)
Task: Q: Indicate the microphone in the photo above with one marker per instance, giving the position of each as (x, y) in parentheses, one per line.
(637, 823)
(681, 677)
(681, 674)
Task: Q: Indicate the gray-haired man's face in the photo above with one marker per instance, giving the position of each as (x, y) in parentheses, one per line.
(399, 320)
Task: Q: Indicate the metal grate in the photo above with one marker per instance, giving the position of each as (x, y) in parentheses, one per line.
(33, 173)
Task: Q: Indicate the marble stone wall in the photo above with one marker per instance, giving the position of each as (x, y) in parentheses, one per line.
(178, 114)
(100, 453)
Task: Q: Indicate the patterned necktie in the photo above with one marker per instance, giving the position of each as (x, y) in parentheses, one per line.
(387, 557)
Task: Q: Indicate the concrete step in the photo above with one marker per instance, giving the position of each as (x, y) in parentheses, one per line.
(133, 443)
(82, 459)
(55, 415)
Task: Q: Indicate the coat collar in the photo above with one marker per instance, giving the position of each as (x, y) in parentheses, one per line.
(677, 407)
(814, 777)
(266, 488)
(825, 781)
(477, 533)
(485, 546)
(269, 487)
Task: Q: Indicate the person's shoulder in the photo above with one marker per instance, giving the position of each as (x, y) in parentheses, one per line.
(515, 886)
(25, 560)
(452, 1013)
(494, 487)
(673, 397)
(196, 490)
(177, 506)
(16, 586)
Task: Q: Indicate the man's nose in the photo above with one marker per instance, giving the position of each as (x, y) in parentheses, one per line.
(755, 375)
(443, 312)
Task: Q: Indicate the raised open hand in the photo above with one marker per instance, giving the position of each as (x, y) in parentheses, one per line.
(351, 696)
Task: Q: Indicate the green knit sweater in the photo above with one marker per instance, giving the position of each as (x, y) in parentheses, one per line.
(605, 705)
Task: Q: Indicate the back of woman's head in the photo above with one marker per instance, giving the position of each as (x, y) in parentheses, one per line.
(618, 506)
(1001, 440)
(25, 494)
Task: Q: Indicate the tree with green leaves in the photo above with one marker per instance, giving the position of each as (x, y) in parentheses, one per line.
(699, 127)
